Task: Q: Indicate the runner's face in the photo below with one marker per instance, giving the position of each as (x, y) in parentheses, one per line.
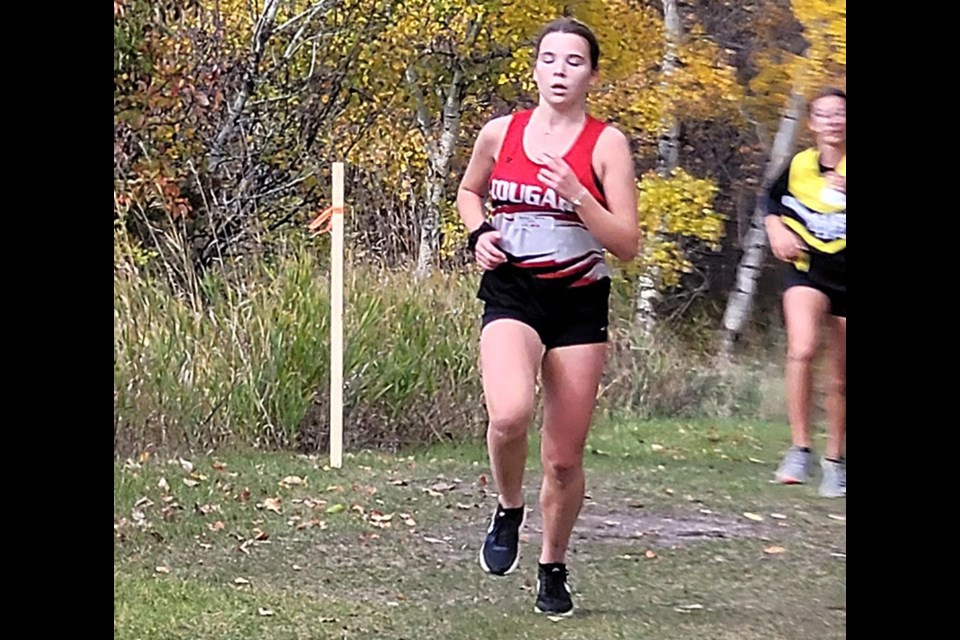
(828, 119)
(563, 72)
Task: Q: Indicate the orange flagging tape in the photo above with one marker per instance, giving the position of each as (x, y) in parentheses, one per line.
(325, 216)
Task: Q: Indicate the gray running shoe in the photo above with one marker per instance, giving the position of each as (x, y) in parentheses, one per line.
(834, 482)
(795, 467)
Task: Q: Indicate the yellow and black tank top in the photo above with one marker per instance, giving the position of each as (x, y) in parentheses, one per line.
(806, 204)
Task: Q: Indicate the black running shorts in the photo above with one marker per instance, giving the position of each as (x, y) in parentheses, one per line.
(837, 297)
(561, 315)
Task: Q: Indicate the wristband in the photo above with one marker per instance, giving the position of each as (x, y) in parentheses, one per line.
(475, 234)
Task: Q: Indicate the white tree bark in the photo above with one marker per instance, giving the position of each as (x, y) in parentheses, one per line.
(261, 35)
(647, 291)
(439, 153)
(440, 149)
(740, 302)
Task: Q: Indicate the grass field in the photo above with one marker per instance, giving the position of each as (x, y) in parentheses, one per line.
(683, 536)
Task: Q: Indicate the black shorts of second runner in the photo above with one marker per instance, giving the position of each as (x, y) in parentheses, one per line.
(837, 297)
(561, 316)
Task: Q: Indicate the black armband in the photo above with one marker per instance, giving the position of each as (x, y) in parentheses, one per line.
(475, 234)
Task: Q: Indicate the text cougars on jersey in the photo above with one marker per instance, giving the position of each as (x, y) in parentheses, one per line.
(531, 194)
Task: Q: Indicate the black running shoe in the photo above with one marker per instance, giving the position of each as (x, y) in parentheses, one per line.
(553, 592)
(501, 548)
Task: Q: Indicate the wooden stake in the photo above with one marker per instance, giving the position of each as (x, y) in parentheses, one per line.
(336, 320)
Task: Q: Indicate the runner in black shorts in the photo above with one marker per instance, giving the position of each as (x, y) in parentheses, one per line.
(807, 225)
(563, 190)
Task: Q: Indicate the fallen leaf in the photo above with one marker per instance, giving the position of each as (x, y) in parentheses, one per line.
(778, 516)
(774, 549)
(313, 522)
(686, 608)
(837, 518)
(399, 483)
(433, 494)
(656, 447)
(752, 516)
(244, 495)
(296, 567)
(443, 486)
(272, 504)
(142, 502)
(611, 523)
(650, 554)
(376, 516)
(755, 461)
(293, 481)
(259, 534)
(144, 457)
(206, 509)
(164, 485)
(162, 569)
(219, 466)
(336, 508)
(463, 506)
(189, 482)
(241, 581)
(410, 522)
(263, 611)
(328, 620)
(186, 464)
(482, 480)
(217, 526)
(433, 540)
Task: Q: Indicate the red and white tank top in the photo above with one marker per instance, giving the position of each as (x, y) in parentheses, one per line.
(539, 230)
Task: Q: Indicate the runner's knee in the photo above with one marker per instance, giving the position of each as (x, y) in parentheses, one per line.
(562, 468)
(510, 424)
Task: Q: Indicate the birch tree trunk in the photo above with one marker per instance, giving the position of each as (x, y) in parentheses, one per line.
(647, 288)
(740, 301)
